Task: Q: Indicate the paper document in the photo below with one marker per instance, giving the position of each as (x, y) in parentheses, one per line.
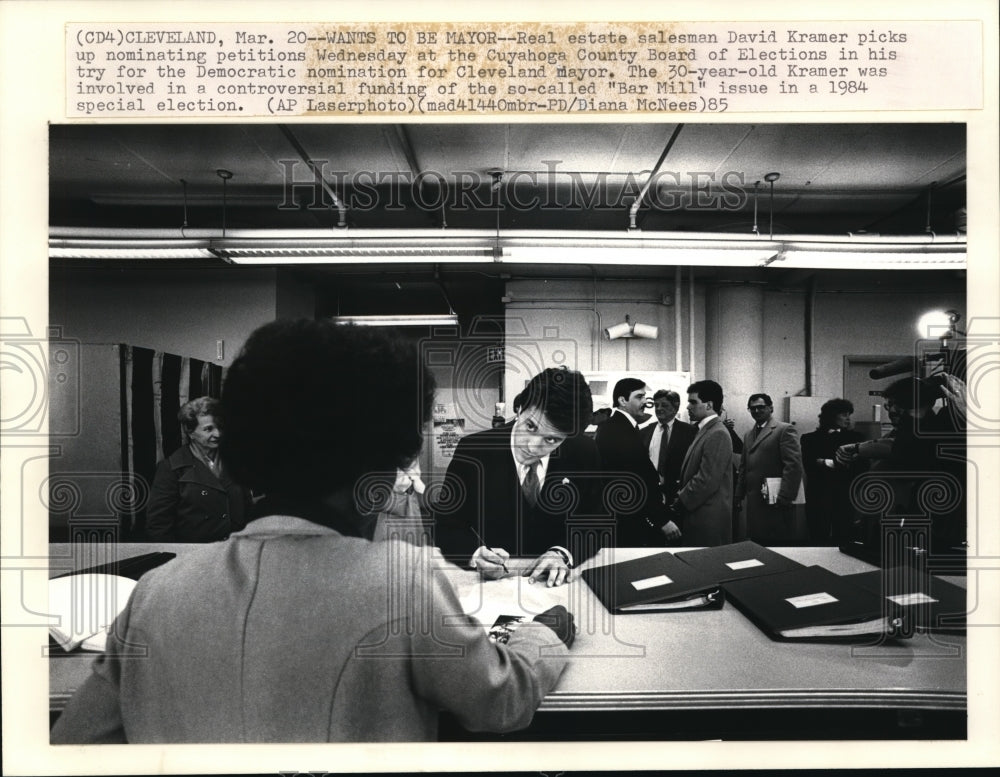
(771, 488)
(488, 600)
(86, 605)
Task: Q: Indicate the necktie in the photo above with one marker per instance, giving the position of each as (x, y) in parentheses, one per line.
(664, 441)
(531, 484)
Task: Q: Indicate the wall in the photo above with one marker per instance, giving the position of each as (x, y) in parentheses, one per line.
(294, 298)
(846, 321)
(875, 322)
(562, 323)
(178, 311)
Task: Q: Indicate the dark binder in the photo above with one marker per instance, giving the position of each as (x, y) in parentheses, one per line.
(924, 602)
(132, 568)
(811, 603)
(657, 583)
(737, 561)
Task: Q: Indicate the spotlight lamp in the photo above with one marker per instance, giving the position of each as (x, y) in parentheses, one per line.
(630, 329)
(942, 324)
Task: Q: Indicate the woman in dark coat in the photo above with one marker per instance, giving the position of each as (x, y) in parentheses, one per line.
(193, 499)
(828, 502)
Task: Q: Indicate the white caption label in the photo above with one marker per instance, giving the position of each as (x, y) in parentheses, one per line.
(917, 597)
(811, 600)
(750, 562)
(651, 582)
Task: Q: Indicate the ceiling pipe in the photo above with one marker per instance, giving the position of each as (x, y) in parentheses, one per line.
(534, 237)
(406, 145)
(678, 340)
(318, 174)
(810, 337)
(691, 325)
(633, 210)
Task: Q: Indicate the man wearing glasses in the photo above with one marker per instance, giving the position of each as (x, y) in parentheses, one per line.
(770, 450)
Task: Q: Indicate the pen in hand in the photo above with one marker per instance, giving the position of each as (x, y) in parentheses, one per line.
(483, 544)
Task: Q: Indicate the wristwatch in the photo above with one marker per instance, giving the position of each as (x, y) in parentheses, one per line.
(563, 555)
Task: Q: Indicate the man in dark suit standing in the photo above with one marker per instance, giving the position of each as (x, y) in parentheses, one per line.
(515, 489)
(632, 485)
(770, 450)
(704, 503)
(667, 441)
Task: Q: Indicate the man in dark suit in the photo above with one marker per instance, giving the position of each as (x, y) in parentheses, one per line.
(517, 488)
(667, 441)
(770, 450)
(704, 503)
(632, 485)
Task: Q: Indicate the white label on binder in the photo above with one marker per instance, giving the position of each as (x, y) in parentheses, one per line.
(750, 562)
(811, 600)
(915, 598)
(651, 582)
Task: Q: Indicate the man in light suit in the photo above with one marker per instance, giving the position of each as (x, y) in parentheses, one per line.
(770, 450)
(631, 481)
(489, 508)
(667, 442)
(704, 503)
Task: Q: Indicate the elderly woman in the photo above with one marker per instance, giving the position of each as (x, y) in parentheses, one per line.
(193, 499)
(297, 628)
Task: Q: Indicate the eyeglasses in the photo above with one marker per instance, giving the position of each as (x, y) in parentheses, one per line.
(755, 408)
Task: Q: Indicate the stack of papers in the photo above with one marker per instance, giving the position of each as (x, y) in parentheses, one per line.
(489, 600)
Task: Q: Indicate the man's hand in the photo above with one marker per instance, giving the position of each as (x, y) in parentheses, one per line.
(491, 562)
(954, 391)
(671, 531)
(846, 454)
(560, 620)
(551, 567)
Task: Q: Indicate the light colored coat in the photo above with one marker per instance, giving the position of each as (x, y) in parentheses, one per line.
(290, 631)
(773, 453)
(707, 487)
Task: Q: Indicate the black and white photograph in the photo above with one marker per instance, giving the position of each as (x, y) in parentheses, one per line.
(477, 343)
(556, 389)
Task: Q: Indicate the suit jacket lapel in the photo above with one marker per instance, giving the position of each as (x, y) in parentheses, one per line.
(697, 442)
(763, 434)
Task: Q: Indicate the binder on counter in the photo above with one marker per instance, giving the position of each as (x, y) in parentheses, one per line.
(811, 603)
(657, 583)
(924, 601)
(737, 561)
(132, 568)
(88, 600)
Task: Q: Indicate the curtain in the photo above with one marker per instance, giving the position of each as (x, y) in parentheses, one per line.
(154, 385)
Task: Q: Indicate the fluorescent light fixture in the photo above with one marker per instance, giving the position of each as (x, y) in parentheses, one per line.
(440, 319)
(663, 254)
(873, 260)
(272, 257)
(425, 246)
(130, 249)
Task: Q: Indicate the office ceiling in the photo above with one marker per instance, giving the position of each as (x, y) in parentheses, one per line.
(890, 179)
(835, 178)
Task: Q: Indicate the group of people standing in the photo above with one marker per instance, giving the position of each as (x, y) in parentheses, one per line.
(670, 483)
(698, 474)
(296, 627)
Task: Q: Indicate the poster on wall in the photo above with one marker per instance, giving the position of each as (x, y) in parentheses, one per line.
(448, 430)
